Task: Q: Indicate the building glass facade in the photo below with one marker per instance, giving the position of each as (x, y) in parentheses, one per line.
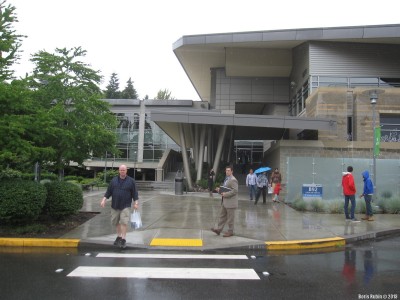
(155, 140)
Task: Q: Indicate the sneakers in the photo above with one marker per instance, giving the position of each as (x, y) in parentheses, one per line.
(365, 218)
(122, 244)
(371, 218)
(355, 220)
(117, 240)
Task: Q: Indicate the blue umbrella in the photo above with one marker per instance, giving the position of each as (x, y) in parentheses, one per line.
(262, 170)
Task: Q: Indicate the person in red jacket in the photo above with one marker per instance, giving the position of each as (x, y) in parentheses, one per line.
(349, 191)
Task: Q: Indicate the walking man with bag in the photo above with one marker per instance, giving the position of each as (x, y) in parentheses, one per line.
(124, 195)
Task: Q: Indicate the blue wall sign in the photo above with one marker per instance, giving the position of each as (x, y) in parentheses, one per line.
(312, 190)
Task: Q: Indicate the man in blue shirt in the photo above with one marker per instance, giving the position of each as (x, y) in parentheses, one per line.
(251, 183)
(124, 194)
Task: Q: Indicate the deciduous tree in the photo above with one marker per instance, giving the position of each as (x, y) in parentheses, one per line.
(67, 91)
(10, 42)
(164, 94)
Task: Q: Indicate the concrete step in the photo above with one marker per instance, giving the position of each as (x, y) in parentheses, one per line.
(155, 185)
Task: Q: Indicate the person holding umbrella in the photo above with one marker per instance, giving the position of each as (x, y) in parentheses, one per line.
(262, 183)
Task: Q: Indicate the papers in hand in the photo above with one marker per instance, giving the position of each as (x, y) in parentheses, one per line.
(224, 189)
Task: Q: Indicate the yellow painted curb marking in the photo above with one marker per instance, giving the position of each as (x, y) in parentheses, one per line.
(306, 244)
(177, 242)
(32, 242)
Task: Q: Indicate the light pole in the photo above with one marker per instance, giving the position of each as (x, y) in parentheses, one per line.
(374, 98)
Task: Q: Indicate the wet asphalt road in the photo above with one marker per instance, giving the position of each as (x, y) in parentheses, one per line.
(369, 270)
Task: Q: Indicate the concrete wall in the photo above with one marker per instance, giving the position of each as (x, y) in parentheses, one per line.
(229, 90)
(334, 102)
(278, 154)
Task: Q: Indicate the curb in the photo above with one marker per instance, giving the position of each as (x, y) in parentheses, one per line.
(32, 242)
(306, 244)
(190, 243)
(373, 235)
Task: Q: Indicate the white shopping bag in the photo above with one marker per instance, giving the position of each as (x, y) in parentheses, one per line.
(136, 220)
(270, 191)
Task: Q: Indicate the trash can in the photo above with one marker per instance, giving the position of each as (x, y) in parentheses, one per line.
(179, 183)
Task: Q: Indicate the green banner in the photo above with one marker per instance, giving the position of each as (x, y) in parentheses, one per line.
(377, 142)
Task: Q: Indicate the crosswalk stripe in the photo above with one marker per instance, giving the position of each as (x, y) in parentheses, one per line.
(165, 273)
(173, 256)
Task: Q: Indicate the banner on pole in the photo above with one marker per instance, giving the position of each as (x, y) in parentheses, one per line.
(377, 143)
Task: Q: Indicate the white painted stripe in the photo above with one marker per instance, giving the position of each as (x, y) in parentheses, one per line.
(175, 256)
(166, 273)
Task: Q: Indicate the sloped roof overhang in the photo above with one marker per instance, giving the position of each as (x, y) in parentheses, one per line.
(198, 54)
(263, 127)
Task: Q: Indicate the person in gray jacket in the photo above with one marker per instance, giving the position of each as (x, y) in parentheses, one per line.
(229, 203)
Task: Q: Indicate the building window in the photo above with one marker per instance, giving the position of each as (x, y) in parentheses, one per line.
(390, 128)
(349, 128)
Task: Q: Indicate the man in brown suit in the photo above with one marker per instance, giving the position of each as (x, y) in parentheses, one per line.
(229, 204)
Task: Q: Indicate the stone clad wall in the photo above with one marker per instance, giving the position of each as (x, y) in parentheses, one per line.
(339, 103)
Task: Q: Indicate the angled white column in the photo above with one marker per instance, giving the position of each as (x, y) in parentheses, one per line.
(220, 145)
(185, 157)
(195, 143)
(210, 137)
(229, 154)
(201, 151)
(142, 117)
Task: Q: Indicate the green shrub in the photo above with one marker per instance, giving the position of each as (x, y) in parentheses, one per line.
(388, 206)
(336, 206)
(50, 176)
(7, 174)
(394, 206)
(21, 201)
(300, 205)
(30, 229)
(203, 183)
(110, 175)
(73, 178)
(28, 176)
(317, 205)
(386, 194)
(63, 199)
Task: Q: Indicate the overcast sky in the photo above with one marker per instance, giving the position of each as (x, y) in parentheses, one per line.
(134, 38)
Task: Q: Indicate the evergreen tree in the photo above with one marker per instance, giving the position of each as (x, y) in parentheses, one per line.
(129, 92)
(112, 90)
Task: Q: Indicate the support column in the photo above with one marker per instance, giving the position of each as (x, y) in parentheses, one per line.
(217, 158)
(185, 158)
(142, 116)
(231, 142)
(201, 152)
(196, 147)
(209, 145)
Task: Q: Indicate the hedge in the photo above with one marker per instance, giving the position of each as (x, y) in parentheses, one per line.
(21, 202)
(63, 199)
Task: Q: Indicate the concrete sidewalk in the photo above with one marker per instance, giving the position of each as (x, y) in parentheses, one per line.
(184, 221)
